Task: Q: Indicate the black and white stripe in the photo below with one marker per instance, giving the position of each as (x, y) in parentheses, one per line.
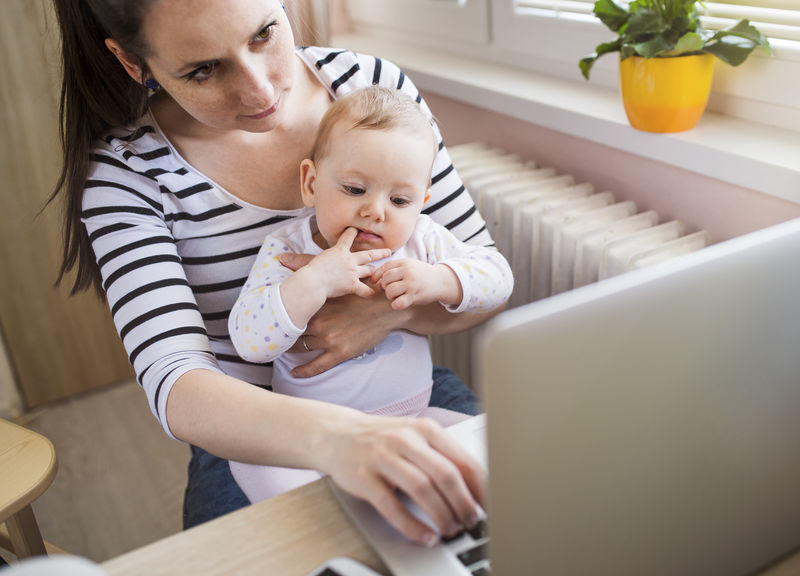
(174, 250)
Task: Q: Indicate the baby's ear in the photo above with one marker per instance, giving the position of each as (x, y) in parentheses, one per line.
(308, 178)
(427, 196)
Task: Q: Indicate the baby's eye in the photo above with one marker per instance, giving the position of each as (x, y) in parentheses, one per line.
(399, 201)
(354, 190)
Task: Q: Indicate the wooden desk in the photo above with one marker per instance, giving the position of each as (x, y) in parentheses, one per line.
(288, 535)
(27, 468)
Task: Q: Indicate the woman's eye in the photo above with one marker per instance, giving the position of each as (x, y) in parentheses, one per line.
(265, 33)
(354, 190)
(201, 73)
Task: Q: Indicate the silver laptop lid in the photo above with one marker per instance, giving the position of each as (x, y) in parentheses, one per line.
(650, 424)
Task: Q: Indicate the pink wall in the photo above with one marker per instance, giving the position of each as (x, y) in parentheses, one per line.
(725, 210)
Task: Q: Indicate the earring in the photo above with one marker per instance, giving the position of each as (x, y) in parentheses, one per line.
(151, 84)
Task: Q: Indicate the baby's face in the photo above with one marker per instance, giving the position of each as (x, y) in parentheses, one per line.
(373, 180)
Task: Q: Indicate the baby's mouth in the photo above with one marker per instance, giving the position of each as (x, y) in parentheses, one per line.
(367, 235)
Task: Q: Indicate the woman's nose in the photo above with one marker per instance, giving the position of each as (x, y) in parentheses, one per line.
(255, 89)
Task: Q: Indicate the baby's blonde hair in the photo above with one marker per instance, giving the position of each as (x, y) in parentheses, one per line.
(372, 108)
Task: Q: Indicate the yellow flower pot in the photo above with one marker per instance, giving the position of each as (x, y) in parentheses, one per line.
(665, 94)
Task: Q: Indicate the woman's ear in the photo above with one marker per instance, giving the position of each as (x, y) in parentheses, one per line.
(308, 177)
(131, 64)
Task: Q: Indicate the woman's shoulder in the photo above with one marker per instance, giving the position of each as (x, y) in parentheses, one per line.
(135, 151)
(344, 70)
(135, 145)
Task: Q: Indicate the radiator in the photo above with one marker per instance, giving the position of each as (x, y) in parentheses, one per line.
(557, 234)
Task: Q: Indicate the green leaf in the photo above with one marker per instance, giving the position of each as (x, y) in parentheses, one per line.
(689, 42)
(730, 52)
(669, 28)
(742, 29)
(733, 45)
(585, 64)
(645, 21)
(626, 51)
(653, 47)
(610, 14)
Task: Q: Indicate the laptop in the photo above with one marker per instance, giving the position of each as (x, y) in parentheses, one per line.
(647, 424)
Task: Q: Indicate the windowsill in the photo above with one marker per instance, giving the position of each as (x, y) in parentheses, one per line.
(755, 156)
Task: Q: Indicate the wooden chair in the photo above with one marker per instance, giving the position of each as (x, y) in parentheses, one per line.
(27, 468)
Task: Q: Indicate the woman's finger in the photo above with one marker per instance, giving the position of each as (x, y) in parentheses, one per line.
(421, 487)
(295, 261)
(442, 460)
(473, 474)
(320, 364)
(389, 505)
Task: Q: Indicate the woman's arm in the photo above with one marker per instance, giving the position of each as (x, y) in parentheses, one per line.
(369, 456)
(349, 326)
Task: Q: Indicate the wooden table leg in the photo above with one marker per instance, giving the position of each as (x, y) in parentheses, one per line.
(25, 536)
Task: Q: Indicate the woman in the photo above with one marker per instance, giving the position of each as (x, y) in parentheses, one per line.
(184, 124)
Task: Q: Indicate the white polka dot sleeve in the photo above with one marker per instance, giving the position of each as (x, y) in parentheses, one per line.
(485, 276)
(259, 326)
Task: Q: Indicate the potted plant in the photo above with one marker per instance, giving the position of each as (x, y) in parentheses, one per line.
(667, 59)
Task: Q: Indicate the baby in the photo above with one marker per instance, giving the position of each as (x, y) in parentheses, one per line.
(367, 180)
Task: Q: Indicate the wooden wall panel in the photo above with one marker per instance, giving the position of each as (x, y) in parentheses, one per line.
(58, 345)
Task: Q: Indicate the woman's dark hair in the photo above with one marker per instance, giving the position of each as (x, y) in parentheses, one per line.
(96, 95)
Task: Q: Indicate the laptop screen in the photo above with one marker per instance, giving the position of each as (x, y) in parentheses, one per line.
(649, 423)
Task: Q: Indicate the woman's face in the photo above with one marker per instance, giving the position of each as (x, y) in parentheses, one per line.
(228, 63)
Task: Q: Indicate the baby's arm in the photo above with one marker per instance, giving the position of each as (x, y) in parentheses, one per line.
(407, 282)
(334, 272)
(461, 277)
(275, 304)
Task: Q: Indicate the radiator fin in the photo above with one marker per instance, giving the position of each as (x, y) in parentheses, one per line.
(556, 234)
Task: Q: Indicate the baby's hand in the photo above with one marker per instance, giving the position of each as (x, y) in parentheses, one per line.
(408, 282)
(341, 270)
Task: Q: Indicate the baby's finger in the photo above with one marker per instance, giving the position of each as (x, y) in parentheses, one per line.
(345, 241)
(366, 256)
(363, 290)
(402, 302)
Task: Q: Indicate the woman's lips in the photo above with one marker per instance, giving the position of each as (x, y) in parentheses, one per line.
(268, 112)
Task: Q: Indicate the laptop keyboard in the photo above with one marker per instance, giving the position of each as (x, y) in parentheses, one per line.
(471, 547)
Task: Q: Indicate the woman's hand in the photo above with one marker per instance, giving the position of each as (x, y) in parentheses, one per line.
(379, 456)
(344, 327)
(348, 326)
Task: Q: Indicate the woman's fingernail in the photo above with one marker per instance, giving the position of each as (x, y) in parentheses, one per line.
(429, 539)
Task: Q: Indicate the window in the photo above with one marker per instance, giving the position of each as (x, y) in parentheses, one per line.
(460, 21)
(550, 36)
(764, 89)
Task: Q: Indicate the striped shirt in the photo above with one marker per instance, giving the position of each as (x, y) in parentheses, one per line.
(174, 248)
